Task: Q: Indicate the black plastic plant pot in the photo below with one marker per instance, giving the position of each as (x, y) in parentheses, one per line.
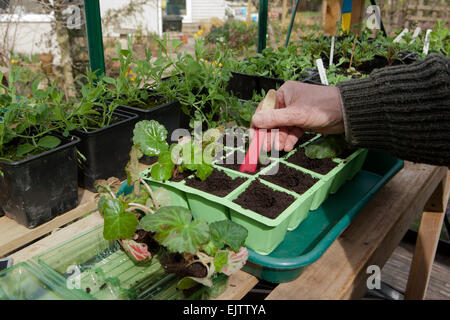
(243, 85)
(106, 151)
(169, 114)
(267, 83)
(36, 190)
(311, 76)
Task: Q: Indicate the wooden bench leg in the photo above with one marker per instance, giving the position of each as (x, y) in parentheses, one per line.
(427, 241)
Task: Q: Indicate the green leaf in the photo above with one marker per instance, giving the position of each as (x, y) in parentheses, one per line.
(227, 232)
(119, 224)
(220, 284)
(24, 149)
(220, 260)
(186, 283)
(101, 203)
(162, 172)
(140, 197)
(203, 171)
(175, 229)
(326, 147)
(109, 80)
(132, 168)
(210, 248)
(163, 197)
(150, 137)
(49, 142)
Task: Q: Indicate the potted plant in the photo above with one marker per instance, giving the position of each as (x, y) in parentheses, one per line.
(200, 84)
(136, 89)
(38, 167)
(269, 70)
(105, 133)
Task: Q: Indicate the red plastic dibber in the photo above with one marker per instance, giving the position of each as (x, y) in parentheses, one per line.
(251, 158)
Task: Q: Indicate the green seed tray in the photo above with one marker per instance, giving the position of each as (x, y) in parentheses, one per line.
(311, 239)
(105, 271)
(264, 234)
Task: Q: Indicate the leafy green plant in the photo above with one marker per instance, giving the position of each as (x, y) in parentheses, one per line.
(93, 110)
(27, 124)
(329, 146)
(218, 247)
(440, 39)
(242, 110)
(283, 63)
(137, 80)
(199, 84)
(190, 154)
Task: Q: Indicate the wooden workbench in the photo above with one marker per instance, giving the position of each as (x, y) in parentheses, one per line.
(369, 240)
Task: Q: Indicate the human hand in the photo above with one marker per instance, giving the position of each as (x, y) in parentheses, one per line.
(300, 107)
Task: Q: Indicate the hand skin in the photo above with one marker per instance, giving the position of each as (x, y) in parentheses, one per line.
(300, 107)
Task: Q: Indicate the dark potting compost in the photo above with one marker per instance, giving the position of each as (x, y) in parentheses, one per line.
(322, 166)
(264, 200)
(180, 176)
(291, 179)
(218, 183)
(171, 262)
(234, 161)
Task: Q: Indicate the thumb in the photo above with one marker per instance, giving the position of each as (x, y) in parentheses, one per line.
(276, 118)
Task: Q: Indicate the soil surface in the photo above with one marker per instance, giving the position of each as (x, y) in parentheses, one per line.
(264, 200)
(218, 183)
(322, 166)
(291, 179)
(146, 237)
(180, 176)
(175, 263)
(150, 103)
(305, 137)
(234, 161)
(94, 120)
(346, 153)
(172, 262)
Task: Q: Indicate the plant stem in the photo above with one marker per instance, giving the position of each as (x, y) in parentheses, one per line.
(134, 206)
(150, 192)
(353, 52)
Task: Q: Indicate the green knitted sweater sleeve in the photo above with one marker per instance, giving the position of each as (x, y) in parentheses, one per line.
(404, 110)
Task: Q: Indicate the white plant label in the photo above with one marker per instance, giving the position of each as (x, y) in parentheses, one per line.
(400, 36)
(426, 46)
(322, 73)
(332, 50)
(415, 34)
